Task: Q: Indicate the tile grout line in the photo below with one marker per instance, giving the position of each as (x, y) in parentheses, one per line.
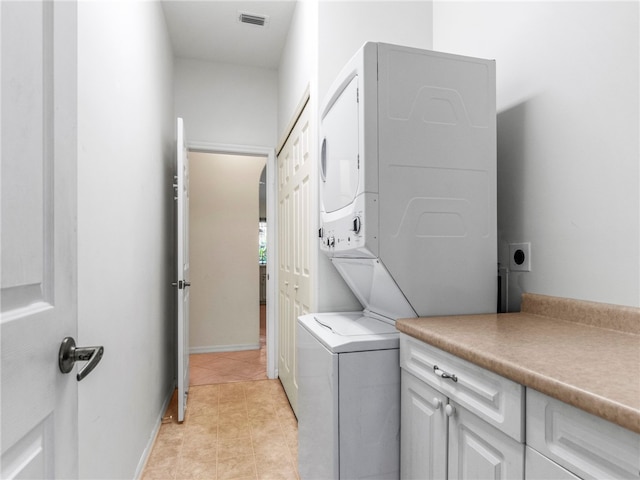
(246, 408)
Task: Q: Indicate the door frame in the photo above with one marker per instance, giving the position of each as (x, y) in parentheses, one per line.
(272, 222)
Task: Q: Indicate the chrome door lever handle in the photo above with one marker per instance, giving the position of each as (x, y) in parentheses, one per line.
(69, 354)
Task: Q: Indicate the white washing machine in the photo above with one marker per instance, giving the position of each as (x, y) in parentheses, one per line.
(349, 394)
(408, 218)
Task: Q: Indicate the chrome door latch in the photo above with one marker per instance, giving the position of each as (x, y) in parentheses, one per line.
(69, 354)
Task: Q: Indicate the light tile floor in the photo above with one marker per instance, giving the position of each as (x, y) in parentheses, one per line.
(234, 429)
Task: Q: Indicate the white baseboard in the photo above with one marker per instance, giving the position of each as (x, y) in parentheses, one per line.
(154, 434)
(224, 348)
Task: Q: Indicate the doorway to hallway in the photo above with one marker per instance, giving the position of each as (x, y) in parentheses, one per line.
(229, 314)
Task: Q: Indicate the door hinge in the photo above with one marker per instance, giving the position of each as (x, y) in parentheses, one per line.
(358, 161)
(357, 95)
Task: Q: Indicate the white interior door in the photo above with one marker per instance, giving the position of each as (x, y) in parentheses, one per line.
(184, 280)
(39, 409)
(294, 252)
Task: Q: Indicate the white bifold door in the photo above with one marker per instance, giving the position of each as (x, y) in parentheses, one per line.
(184, 280)
(39, 405)
(294, 247)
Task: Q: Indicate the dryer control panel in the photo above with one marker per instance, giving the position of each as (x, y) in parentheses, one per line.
(352, 233)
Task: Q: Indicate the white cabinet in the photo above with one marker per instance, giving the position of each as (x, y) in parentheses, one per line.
(495, 399)
(457, 419)
(586, 445)
(423, 430)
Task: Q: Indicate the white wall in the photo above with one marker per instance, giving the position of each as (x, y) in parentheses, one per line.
(224, 311)
(125, 210)
(226, 104)
(568, 169)
(298, 63)
(345, 26)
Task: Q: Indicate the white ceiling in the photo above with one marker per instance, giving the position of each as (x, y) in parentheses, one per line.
(210, 30)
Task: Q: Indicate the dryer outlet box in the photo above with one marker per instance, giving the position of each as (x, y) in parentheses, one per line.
(520, 257)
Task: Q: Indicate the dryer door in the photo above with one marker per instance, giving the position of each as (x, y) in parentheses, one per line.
(339, 150)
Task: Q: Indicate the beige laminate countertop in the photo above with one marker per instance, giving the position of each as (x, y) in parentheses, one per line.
(584, 353)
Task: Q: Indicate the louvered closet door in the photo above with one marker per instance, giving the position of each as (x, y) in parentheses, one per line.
(294, 251)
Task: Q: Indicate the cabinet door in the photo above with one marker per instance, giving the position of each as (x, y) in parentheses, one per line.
(423, 440)
(479, 451)
(539, 467)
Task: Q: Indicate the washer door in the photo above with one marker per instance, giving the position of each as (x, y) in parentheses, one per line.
(339, 150)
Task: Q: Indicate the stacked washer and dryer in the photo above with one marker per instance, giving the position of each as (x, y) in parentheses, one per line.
(408, 218)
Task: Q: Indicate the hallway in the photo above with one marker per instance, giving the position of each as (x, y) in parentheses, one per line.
(238, 426)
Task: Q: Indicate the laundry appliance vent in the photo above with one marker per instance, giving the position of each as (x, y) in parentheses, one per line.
(253, 19)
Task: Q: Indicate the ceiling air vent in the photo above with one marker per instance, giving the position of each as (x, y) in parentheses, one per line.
(253, 19)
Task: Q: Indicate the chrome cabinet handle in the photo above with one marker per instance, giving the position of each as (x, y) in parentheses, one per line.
(69, 354)
(443, 374)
